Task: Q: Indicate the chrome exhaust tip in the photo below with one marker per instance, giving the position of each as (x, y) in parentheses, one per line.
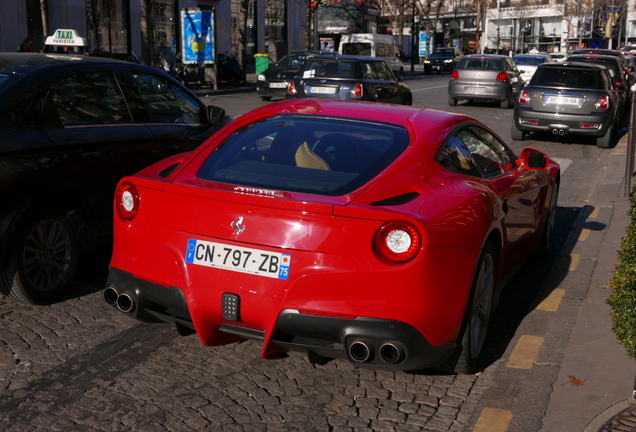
(359, 352)
(125, 303)
(391, 353)
(110, 295)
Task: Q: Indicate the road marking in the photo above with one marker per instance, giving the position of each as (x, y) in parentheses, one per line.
(525, 353)
(428, 88)
(552, 302)
(563, 163)
(594, 214)
(583, 233)
(569, 262)
(493, 420)
(621, 147)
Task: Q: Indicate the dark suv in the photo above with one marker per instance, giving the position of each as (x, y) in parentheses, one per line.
(442, 60)
(568, 97)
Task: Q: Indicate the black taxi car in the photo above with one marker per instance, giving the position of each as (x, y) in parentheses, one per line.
(70, 128)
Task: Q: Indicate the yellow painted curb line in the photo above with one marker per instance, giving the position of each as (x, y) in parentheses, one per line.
(493, 420)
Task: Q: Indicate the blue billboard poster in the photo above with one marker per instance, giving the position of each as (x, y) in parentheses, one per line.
(197, 41)
(423, 44)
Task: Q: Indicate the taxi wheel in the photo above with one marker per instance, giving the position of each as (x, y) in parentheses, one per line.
(43, 261)
(470, 347)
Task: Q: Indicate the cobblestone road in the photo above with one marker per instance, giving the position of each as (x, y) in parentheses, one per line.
(80, 365)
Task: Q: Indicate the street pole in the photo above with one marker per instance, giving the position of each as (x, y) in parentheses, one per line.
(631, 145)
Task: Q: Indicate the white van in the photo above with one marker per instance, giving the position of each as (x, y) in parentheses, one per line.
(373, 45)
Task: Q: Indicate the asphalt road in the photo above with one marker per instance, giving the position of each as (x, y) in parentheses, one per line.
(80, 365)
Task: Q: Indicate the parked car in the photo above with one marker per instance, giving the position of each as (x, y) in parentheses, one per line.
(442, 60)
(601, 51)
(528, 63)
(569, 97)
(622, 81)
(485, 77)
(349, 77)
(376, 233)
(273, 82)
(70, 128)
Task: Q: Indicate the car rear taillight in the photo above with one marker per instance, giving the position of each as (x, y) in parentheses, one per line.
(502, 76)
(126, 201)
(398, 241)
(524, 97)
(454, 75)
(291, 88)
(603, 102)
(357, 91)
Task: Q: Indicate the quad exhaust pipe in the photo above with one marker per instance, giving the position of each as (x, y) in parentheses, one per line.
(122, 301)
(363, 352)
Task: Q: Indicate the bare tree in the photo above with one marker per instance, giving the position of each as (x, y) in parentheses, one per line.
(147, 31)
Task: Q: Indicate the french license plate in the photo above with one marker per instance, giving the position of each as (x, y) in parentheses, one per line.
(475, 89)
(245, 260)
(277, 85)
(562, 100)
(321, 90)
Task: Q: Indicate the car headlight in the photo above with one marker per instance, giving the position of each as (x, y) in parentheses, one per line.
(427, 61)
(448, 61)
(261, 77)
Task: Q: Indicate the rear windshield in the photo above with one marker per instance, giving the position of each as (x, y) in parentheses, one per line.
(480, 63)
(611, 65)
(328, 68)
(529, 60)
(306, 154)
(567, 77)
(357, 48)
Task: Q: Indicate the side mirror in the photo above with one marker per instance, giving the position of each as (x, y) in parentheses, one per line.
(215, 114)
(533, 159)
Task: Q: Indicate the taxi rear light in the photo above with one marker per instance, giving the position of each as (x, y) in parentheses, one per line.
(397, 242)
(357, 91)
(126, 201)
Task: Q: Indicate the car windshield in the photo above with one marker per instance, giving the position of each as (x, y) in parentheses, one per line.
(444, 52)
(328, 68)
(293, 60)
(529, 60)
(306, 154)
(567, 77)
(480, 63)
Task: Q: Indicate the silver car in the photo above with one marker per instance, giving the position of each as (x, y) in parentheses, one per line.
(485, 77)
(528, 63)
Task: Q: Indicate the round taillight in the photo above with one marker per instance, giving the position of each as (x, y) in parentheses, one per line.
(357, 91)
(127, 201)
(398, 241)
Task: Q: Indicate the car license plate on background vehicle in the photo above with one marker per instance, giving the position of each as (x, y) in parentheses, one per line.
(562, 100)
(277, 85)
(321, 90)
(240, 259)
(475, 89)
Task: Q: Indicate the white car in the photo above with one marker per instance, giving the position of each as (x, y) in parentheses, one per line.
(528, 63)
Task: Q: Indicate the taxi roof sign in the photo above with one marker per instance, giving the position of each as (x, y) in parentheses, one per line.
(66, 37)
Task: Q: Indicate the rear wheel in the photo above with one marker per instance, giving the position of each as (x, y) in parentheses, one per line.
(471, 340)
(517, 135)
(42, 262)
(452, 101)
(606, 140)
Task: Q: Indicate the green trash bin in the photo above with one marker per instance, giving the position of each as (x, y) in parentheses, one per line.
(262, 62)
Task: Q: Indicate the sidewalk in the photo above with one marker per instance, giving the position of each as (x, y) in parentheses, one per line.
(601, 398)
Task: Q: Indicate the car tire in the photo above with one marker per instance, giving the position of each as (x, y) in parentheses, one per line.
(408, 100)
(516, 134)
(42, 262)
(266, 98)
(452, 101)
(505, 104)
(471, 341)
(605, 141)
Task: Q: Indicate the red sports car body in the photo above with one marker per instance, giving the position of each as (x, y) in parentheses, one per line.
(377, 233)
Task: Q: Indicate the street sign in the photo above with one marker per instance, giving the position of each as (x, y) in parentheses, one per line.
(197, 41)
